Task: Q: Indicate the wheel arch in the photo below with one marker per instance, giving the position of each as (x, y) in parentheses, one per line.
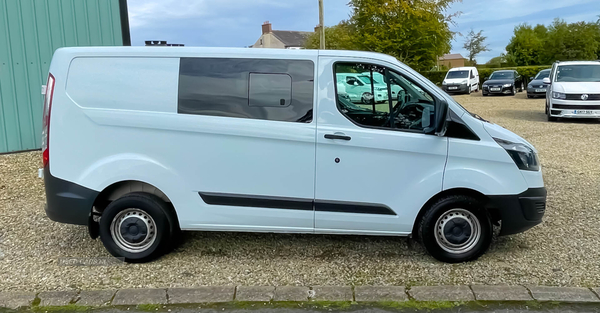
(493, 214)
(119, 189)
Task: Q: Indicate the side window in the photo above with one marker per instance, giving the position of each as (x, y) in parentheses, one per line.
(364, 99)
(390, 101)
(276, 90)
(270, 90)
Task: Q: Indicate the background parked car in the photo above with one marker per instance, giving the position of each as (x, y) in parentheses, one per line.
(358, 88)
(536, 86)
(503, 82)
(461, 80)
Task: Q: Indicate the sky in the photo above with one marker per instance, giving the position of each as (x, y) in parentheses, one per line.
(237, 23)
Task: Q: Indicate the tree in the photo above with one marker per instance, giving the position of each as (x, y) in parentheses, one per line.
(474, 44)
(414, 31)
(338, 37)
(527, 46)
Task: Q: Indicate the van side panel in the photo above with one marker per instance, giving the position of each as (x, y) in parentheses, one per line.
(115, 119)
(140, 84)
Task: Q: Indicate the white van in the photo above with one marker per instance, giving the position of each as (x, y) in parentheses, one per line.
(573, 90)
(359, 89)
(461, 80)
(142, 142)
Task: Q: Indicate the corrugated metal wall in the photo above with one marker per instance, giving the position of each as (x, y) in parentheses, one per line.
(30, 31)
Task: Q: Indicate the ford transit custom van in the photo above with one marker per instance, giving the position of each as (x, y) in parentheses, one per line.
(140, 143)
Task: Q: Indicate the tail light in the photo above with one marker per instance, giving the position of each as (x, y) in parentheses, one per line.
(46, 120)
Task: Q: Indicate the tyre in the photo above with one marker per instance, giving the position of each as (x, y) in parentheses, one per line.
(529, 96)
(484, 94)
(366, 98)
(513, 91)
(138, 227)
(551, 118)
(455, 229)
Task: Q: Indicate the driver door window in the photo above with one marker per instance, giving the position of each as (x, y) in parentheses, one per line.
(387, 99)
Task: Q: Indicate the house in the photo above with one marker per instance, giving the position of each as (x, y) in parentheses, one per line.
(452, 60)
(280, 39)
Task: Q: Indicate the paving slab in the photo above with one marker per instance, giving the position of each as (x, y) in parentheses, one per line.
(57, 298)
(95, 297)
(380, 293)
(291, 293)
(441, 293)
(140, 296)
(16, 300)
(563, 294)
(332, 293)
(255, 293)
(203, 294)
(501, 293)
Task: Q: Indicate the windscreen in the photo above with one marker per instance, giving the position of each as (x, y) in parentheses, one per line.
(457, 74)
(502, 75)
(578, 73)
(542, 74)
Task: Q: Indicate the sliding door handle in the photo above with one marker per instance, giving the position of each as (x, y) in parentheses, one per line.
(337, 136)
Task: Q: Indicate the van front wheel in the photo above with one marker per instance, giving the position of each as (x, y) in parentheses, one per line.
(136, 227)
(456, 229)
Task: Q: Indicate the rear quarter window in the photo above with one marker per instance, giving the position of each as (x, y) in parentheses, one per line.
(277, 90)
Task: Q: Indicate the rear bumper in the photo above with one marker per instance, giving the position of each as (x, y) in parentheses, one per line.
(519, 212)
(67, 202)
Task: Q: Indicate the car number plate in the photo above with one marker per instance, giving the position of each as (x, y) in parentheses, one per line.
(452, 88)
(540, 90)
(583, 112)
(495, 89)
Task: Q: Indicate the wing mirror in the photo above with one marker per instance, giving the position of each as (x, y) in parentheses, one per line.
(441, 118)
(486, 78)
(547, 81)
(530, 78)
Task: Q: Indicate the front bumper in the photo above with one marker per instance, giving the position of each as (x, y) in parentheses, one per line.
(574, 108)
(533, 92)
(67, 202)
(455, 88)
(519, 212)
(503, 90)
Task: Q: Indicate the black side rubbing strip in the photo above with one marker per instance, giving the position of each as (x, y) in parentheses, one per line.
(257, 201)
(352, 207)
(293, 203)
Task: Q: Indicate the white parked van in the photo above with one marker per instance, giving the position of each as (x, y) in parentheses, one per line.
(142, 142)
(359, 88)
(461, 80)
(573, 90)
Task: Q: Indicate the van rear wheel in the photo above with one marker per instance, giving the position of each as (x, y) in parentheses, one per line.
(456, 229)
(137, 227)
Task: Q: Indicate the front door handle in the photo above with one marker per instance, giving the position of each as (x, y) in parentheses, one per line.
(336, 136)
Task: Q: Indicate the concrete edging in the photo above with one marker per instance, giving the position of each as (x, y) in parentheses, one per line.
(358, 294)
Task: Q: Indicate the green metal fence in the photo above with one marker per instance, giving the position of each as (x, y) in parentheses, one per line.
(30, 32)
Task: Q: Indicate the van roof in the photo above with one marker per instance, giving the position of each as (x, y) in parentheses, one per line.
(578, 63)
(463, 68)
(225, 52)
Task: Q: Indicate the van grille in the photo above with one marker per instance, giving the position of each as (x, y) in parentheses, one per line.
(577, 96)
(576, 107)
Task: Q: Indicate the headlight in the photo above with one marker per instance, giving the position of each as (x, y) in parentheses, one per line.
(444, 83)
(559, 95)
(524, 157)
(464, 81)
(507, 85)
(529, 86)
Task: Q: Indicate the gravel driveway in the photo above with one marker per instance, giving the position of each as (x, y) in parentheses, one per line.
(564, 250)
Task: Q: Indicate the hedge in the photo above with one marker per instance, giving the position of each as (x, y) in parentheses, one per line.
(526, 71)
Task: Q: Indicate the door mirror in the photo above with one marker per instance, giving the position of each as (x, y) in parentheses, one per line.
(441, 118)
(486, 78)
(530, 78)
(546, 81)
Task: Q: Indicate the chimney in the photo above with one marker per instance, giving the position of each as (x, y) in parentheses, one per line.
(317, 28)
(266, 27)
